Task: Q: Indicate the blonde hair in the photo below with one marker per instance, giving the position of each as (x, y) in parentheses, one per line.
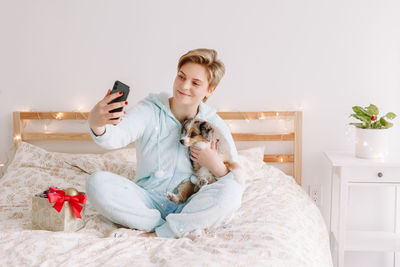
(208, 59)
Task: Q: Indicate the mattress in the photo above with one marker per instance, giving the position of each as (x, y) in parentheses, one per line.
(277, 224)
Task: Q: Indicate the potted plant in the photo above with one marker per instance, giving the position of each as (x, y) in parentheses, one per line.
(371, 138)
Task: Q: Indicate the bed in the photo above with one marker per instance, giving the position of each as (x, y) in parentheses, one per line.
(277, 224)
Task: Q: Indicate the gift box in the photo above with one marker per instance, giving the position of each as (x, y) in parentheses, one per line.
(59, 210)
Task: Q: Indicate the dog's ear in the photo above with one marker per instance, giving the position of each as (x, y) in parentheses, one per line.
(206, 131)
(185, 124)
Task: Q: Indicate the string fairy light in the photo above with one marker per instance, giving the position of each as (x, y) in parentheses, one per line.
(59, 116)
(45, 123)
(246, 117)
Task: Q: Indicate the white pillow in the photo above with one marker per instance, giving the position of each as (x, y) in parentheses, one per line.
(121, 162)
(34, 169)
(251, 160)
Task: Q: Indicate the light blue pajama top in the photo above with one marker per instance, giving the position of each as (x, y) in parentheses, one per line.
(162, 161)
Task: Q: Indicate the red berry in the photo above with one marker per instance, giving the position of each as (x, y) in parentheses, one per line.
(373, 118)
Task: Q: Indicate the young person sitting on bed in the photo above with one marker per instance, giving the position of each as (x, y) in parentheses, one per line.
(162, 162)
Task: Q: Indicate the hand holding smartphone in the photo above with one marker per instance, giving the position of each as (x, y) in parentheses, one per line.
(98, 117)
(119, 87)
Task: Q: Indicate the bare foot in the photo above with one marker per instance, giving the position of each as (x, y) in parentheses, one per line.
(195, 234)
(123, 232)
(152, 234)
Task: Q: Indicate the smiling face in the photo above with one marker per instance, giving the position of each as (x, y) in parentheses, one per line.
(191, 84)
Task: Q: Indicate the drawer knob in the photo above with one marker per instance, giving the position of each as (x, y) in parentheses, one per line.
(380, 174)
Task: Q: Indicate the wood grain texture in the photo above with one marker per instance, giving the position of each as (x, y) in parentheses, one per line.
(294, 116)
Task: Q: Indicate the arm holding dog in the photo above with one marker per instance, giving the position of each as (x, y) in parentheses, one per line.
(209, 158)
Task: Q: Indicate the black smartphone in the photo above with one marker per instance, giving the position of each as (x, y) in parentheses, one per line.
(119, 87)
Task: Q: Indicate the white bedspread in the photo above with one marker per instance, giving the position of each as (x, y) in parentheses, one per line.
(277, 225)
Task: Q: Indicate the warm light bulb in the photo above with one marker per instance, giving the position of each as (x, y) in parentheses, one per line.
(17, 137)
(281, 159)
(59, 116)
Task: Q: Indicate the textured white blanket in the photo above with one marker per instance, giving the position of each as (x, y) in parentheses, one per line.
(277, 225)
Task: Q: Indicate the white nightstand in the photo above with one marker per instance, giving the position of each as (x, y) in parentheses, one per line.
(347, 170)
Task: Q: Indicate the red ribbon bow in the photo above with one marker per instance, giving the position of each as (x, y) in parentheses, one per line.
(58, 196)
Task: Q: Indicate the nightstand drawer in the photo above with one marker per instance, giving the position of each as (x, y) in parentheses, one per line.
(372, 174)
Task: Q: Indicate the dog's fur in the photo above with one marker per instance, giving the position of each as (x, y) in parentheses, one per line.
(201, 133)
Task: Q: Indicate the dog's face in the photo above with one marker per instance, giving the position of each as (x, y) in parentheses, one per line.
(197, 132)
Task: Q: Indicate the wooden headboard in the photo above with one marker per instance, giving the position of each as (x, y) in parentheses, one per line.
(295, 136)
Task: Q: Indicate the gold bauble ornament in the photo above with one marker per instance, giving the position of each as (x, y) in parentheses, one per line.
(71, 191)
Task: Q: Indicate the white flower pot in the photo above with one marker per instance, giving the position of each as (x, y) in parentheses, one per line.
(371, 143)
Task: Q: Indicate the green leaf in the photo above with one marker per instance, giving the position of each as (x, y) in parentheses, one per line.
(383, 121)
(362, 117)
(365, 115)
(390, 115)
(373, 110)
(376, 125)
(357, 124)
(388, 125)
(357, 109)
(361, 111)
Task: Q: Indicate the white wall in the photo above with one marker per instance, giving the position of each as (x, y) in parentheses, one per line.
(322, 56)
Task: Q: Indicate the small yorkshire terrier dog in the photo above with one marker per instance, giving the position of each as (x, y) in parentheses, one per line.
(201, 133)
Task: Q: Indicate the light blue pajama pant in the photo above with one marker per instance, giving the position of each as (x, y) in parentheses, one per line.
(124, 202)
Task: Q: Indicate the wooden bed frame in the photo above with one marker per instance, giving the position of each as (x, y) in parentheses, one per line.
(294, 116)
